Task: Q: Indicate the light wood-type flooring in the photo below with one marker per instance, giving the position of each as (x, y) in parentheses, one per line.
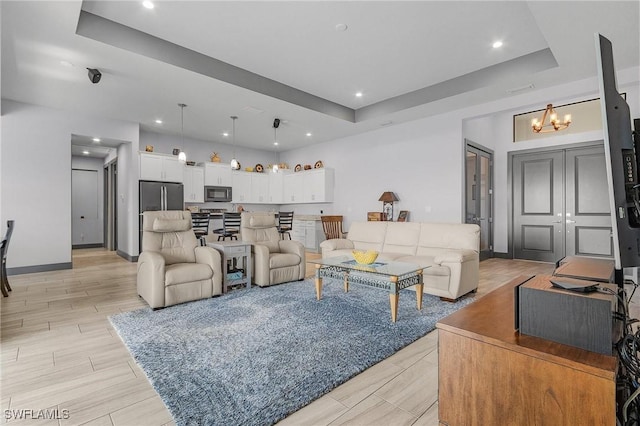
(60, 352)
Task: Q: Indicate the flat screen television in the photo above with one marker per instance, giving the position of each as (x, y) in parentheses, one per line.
(621, 163)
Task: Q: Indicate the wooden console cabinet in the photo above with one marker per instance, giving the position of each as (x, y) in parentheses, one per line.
(489, 374)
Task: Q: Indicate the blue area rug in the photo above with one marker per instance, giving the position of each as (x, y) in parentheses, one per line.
(251, 357)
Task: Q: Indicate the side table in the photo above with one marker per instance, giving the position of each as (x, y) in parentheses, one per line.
(236, 262)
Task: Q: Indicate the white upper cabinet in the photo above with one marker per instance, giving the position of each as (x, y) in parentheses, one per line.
(161, 167)
(259, 188)
(193, 184)
(309, 186)
(217, 174)
(241, 184)
(318, 186)
(293, 188)
(276, 187)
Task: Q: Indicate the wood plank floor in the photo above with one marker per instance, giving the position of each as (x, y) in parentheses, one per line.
(59, 351)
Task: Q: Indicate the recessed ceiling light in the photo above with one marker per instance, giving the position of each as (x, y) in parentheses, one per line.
(225, 134)
(341, 27)
(158, 121)
(275, 143)
(96, 139)
(358, 94)
(148, 4)
(309, 134)
(85, 152)
(497, 44)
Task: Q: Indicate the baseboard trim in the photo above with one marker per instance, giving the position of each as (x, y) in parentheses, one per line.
(83, 246)
(39, 268)
(127, 256)
(502, 255)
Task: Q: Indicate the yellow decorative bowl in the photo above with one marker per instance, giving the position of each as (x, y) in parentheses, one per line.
(365, 257)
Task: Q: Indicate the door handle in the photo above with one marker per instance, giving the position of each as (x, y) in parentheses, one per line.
(571, 221)
(557, 221)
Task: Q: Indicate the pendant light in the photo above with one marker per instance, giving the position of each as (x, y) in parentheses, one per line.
(234, 163)
(276, 123)
(182, 157)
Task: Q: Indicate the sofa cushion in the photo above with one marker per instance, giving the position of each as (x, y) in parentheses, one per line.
(448, 235)
(401, 237)
(179, 273)
(281, 260)
(368, 235)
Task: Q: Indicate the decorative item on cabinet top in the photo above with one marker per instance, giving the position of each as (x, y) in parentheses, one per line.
(215, 158)
(148, 148)
(259, 168)
(191, 163)
(317, 165)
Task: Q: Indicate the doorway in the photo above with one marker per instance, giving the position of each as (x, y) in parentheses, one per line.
(479, 193)
(560, 204)
(85, 220)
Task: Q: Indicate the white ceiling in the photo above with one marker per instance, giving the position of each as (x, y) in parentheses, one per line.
(262, 60)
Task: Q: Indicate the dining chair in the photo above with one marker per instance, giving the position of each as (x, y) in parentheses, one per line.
(285, 224)
(200, 224)
(230, 226)
(4, 247)
(332, 227)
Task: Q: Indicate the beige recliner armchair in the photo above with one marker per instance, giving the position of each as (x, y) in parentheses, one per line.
(172, 267)
(275, 261)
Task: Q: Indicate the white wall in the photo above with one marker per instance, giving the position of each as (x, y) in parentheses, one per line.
(200, 151)
(420, 161)
(36, 178)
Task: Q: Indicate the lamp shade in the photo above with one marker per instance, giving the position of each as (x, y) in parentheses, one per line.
(388, 197)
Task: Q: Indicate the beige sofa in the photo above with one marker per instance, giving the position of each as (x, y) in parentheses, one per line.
(450, 250)
(275, 261)
(172, 267)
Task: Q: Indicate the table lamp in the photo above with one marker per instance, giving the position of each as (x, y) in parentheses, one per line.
(387, 199)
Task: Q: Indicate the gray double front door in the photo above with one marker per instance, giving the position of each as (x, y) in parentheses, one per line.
(561, 204)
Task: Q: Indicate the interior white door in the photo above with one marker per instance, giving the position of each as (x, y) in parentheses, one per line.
(86, 225)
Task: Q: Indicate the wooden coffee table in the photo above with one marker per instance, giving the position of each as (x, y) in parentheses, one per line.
(387, 275)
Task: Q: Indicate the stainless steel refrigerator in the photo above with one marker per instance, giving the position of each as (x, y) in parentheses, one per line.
(155, 196)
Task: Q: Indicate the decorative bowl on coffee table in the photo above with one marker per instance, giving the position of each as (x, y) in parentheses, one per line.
(365, 257)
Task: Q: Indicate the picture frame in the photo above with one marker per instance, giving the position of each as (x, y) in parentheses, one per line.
(403, 216)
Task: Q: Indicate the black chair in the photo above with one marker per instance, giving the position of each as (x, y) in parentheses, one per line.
(4, 247)
(230, 226)
(285, 224)
(200, 225)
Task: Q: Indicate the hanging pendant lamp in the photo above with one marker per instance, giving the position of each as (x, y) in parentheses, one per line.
(234, 163)
(182, 157)
(276, 123)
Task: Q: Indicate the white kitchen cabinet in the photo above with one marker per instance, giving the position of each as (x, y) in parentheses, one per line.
(193, 184)
(241, 184)
(217, 174)
(161, 167)
(276, 187)
(259, 188)
(318, 185)
(309, 233)
(309, 186)
(294, 188)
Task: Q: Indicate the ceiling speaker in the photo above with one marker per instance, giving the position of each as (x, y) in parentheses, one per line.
(94, 75)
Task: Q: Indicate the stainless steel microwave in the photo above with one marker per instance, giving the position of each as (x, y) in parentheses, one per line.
(217, 193)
